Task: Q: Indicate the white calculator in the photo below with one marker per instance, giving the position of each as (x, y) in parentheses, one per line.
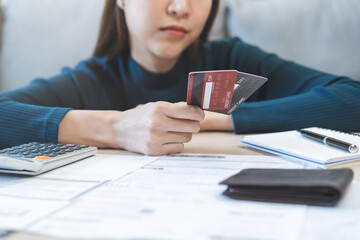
(35, 158)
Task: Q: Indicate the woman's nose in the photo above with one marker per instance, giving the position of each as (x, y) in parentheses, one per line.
(179, 8)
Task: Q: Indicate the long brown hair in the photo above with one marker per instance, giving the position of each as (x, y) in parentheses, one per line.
(113, 36)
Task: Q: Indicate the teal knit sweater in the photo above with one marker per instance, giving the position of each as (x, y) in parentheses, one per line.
(294, 96)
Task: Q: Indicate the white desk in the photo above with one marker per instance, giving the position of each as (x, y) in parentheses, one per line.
(206, 143)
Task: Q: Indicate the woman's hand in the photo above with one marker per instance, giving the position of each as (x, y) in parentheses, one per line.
(157, 128)
(154, 128)
(216, 122)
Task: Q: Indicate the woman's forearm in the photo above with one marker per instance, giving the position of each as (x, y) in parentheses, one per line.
(23, 123)
(217, 122)
(335, 106)
(154, 128)
(87, 127)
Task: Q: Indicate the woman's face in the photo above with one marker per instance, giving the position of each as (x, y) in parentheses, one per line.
(162, 29)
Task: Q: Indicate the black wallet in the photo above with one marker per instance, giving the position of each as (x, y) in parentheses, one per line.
(301, 186)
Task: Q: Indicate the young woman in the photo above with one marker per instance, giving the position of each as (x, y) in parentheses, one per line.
(131, 94)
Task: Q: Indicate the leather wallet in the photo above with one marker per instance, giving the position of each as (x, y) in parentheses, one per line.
(301, 186)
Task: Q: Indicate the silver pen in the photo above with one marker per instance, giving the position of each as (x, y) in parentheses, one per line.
(330, 141)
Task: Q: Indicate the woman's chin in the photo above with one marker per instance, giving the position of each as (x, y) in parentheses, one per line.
(169, 52)
(169, 55)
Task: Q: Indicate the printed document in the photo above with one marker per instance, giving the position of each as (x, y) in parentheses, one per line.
(171, 197)
(25, 200)
(176, 197)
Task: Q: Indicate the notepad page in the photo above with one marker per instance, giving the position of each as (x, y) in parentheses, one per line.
(293, 144)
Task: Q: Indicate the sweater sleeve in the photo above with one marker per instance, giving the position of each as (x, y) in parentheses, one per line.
(294, 96)
(22, 123)
(33, 113)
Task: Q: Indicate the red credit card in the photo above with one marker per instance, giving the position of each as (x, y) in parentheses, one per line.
(221, 91)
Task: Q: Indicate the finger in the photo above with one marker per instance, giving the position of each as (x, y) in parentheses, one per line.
(178, 125)
(170, 148)
(181, 110)
(174, 137)
(164, 149)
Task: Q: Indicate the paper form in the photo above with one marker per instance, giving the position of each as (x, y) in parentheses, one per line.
(23, 200)
(177, 197)
(18, 213)
(332, 224)
(351, 199)
(45, 189)
(342, 222)
(100, 167)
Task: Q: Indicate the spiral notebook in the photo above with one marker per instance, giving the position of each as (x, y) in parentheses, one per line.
(291, 144)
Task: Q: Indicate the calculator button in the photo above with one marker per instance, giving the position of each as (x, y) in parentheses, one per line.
(70, 145)
(47, 152)
(13, 153)
(25, 153)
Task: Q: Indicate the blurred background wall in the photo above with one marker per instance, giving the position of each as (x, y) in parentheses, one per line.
(39, 37)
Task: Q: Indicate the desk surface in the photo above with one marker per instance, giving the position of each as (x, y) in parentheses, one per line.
(206, 143)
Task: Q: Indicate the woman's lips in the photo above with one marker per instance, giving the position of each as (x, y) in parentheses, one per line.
(174, 31)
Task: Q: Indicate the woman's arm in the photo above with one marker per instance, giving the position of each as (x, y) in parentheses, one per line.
(23, 123)
(336, 106)
(294, 96)
(33, 113)
(154, 128)
(216, 122)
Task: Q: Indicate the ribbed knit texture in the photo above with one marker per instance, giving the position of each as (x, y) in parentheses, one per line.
(294, 97)
(41, 123)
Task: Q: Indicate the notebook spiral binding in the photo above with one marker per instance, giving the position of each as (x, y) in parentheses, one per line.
(345, 133)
